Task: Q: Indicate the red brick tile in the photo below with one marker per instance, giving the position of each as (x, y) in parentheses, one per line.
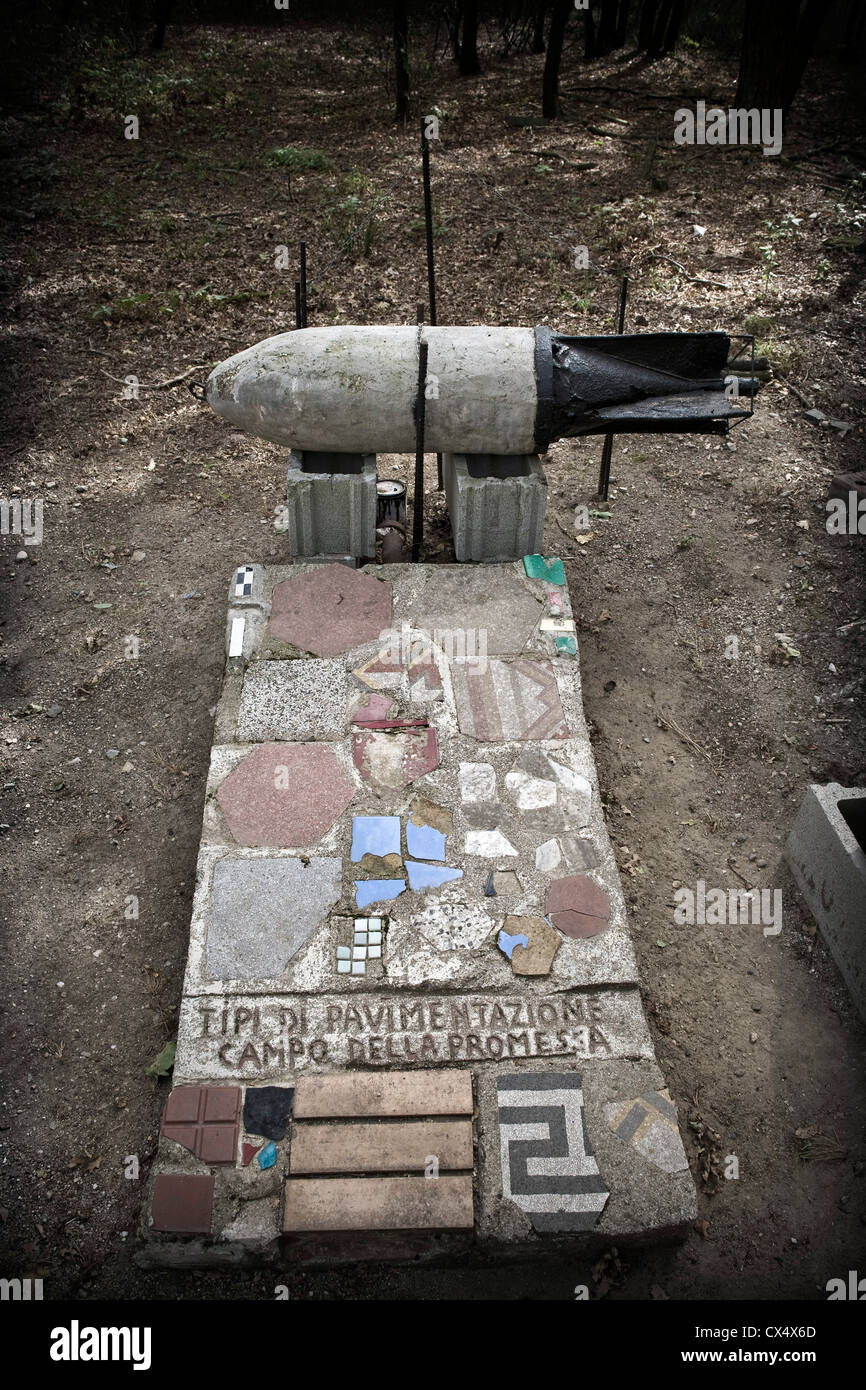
(381, 1148)
(222, 1103)
(330, 610)
(205, 1120)
(378, 1204)
(343, 1095)
(579, 893)
(284, 795)
(183, 1203)
(183, 1105)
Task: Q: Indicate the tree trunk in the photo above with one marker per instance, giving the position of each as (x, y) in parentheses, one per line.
(469, 64)
(161, 14)
(775, 52)
(538, 31)
(647, 24)
(401, 60)
(622, 23)
(674, 25)
(606, 28)
(555, 40)
(589, 49)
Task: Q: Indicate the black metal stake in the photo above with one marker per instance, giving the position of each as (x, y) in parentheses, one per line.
(607, 448)
(298, 304)
(303, 284)
(431, 272)
(418, 502)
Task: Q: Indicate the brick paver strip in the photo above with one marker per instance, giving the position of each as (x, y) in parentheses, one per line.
(378, 1204)
(183, 1203)
(330, 610)
(346, 1095)
(381, 1148)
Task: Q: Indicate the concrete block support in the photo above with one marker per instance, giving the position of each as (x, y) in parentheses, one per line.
(496, 504)
(331, 501)
(825, 850)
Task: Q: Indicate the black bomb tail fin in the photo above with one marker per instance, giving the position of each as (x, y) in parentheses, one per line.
(650, 383)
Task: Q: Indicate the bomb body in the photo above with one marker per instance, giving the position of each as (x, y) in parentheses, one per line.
(488, 390)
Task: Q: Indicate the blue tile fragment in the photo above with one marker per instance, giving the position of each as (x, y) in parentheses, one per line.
(375, 835)
(377, 890)
(424, 842)
(507, 943)
(268, 1156)
(489, 890)
(567, 644)
(423, 876)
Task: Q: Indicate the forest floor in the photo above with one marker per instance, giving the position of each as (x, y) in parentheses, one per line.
(152, 256)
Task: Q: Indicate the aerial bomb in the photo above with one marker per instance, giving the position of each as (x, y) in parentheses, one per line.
(487, 390)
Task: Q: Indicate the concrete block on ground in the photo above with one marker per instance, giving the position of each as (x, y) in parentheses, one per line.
(496, 505)
(331, 505)
(825, 850)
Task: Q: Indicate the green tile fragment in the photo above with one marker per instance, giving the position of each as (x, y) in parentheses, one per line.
(567, 644)
(544, 567)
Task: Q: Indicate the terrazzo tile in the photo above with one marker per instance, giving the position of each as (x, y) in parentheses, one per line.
(298, 701)
(554, 1179)
(648, 1123)
(330, 610)
(263, 911)
(284, 795)
(502, 700)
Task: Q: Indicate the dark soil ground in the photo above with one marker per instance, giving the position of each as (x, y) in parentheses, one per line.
(149, 257)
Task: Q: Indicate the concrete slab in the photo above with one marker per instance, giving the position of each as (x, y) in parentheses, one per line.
(495, 826)
(825, 850)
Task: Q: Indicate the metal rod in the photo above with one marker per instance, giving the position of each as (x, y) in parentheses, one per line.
(418, 501)
(431, 271)
(298, 304)
(304, 285)
(607, 447)
(428, 222)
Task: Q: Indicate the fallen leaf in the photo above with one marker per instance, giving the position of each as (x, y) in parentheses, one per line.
(163, 1063)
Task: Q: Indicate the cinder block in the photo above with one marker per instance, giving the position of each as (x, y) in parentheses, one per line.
(496, 504)
(825, 852)
(331, 504)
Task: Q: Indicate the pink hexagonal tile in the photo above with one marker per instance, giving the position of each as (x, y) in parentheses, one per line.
(284, 795)
(330, 609)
